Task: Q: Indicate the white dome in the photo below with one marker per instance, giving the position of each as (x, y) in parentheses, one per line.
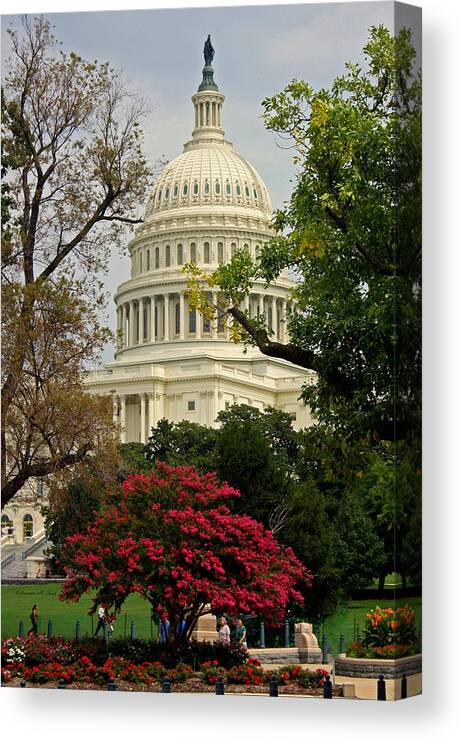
(209, 174)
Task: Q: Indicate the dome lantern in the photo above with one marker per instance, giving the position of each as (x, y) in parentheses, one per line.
(208, 102)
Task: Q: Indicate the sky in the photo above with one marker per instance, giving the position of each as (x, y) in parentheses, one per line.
(258, 50)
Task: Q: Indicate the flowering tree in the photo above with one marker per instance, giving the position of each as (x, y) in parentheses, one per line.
(173, 539)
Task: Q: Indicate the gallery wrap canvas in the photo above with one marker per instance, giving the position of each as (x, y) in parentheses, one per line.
(211, 356)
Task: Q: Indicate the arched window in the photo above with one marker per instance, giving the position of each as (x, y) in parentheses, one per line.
(185, 189)
(192, 321)
(254, 191)
(196, 188)
(193, 252)
(257, 251)
(175, 191)
(220, 252)
(246, 190)
(148, 259)
(207, 253)
(177, 318)
(238, 189)
(233, 248)
(246, 247)
(179, 254)
(28, 526)
(167, 193)
(228, 189)
(167, 256)
(206, 324)
(217, 187)
(206, 187)
(156, 258)
(159, 194)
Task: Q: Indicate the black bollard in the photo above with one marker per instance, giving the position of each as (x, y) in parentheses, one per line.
(262, 635)
(22, 684)
(404, 687)
(77, 632)
(166, 685)
(286, 632)
(133, 633)
(325, 649)
(342, 647)
(61, 684)
(219, 687)
(50, 630)
(106, 635)
(327, 687)
(273, 687)
(21, 628)
(112, 684)
(381, 688)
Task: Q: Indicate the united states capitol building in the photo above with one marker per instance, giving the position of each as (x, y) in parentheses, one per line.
(170, 361)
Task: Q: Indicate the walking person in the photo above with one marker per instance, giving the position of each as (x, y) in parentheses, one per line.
(224, 631)
(34, 621)
(241, 633)
(164, 628)
(101, 619)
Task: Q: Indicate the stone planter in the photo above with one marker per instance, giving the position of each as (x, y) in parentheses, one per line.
(355, 667)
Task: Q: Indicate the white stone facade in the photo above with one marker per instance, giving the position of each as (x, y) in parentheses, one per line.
(172, 362)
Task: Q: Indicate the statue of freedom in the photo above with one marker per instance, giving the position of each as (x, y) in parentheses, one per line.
(208, 51)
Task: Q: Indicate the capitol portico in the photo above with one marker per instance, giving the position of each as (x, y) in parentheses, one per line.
(171, 361)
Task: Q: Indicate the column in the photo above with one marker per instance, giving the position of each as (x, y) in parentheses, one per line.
(166, 318)
(284, 310)
(215, 320)
(122, 419)
(274, 316)
(132, 324)
(246, 303)
(125, 332)
(115, 409)
(143, 417)
(261, 304)
(140, 321)
(199, 319)
(182, 316)
(151, 421)
(152, 331)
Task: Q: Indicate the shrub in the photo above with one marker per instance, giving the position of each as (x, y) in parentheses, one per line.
(33, 650)
(297, 674)
(386, 626)
(211, 671)
(388, 634)
(250, 673)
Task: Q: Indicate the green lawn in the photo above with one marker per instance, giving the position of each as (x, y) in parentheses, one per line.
(17, 601)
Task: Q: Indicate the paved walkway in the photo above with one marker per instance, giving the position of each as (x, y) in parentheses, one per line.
(366, 688)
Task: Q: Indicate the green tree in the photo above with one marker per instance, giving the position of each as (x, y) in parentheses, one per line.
(310, 531)
(359, 552)
(182, 444)
(73, 514)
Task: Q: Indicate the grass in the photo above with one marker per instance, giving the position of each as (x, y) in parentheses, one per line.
(17, 601)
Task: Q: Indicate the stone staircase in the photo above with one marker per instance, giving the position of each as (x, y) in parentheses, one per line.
(14, 556)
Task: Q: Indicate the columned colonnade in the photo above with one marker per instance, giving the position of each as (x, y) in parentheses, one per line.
(167, 316)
